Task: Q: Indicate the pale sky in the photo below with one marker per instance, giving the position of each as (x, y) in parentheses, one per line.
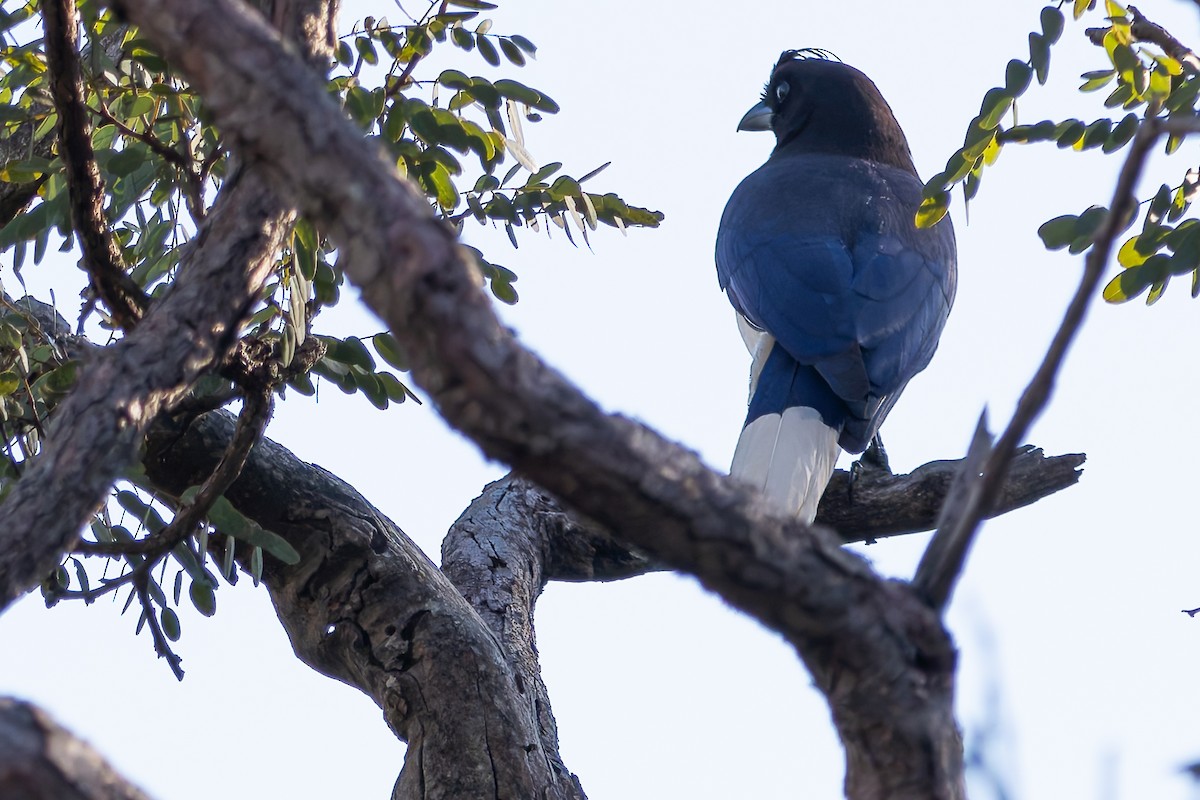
(1069, 612)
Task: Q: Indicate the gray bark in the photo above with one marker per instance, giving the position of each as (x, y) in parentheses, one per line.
(41, 760)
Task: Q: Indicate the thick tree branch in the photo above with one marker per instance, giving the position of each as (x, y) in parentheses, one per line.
(876, 650)
(365, 606)
(102, 258)
(41, 760)
(496, 554)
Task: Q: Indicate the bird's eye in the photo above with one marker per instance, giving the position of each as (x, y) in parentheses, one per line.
(781, 92)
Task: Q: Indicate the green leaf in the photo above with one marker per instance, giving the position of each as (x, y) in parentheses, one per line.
(394, 388)
(462, 38)
(524, 94)
(370, 386)
(1095, 135)
(170, 622)
(488, 51)
(142, 511)
(1085, 228)
(1052, 23)
(1069, 132)
(932, 209)
(512, 52)
(1016, 77)
(203, 597)
(524, 44)
(995, 104)
(1097, 79)
(389, 350)
(1058, 232)
(1132, 282)
(231, 522)
(1039, 56)
(366, 49)
(1121, 133)
(1184, 95)
(454, 79)
(1130, 254)
(350, 351)
(58, 381)
(127, 160)
(256, 565)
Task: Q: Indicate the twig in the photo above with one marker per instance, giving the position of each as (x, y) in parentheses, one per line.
(403, 77)
(1145, 30)
(957, 533)
(165, 151)
(101, 254)
(161, 644)
(192, 174)
(944, 557)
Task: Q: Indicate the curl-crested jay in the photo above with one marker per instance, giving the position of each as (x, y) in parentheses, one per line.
(840, 298)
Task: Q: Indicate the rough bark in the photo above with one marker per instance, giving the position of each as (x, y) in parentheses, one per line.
(497, 555)
(41, 760)
(365, 606)
(877, 651)
(97, 430)
(878, 504)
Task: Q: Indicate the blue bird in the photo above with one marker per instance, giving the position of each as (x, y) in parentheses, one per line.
(840, 298)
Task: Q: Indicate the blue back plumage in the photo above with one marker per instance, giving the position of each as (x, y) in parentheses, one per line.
(818, 248)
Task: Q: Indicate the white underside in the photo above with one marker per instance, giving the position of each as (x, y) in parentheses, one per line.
(759, 343)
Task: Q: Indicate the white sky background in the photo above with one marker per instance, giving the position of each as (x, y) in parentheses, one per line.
(1069, 611)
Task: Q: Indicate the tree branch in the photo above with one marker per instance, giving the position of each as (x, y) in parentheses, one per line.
(496, 555)
(365, 606)
(41, 759)
(882, 504)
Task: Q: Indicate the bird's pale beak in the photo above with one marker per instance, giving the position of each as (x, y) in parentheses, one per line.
(756, 119)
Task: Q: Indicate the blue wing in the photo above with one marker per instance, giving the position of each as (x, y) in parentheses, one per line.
(821, 252)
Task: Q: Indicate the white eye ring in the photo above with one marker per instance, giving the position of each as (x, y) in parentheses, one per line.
(781, 91)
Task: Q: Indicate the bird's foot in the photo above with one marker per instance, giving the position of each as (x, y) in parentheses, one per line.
(874, 458)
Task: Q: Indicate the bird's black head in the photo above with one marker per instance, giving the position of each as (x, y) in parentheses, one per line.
(815, 104)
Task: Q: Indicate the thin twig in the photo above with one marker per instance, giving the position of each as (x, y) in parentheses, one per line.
(191, 174)
(161, 644)
(101, 254)
(955, 535)
(403, 77)
(165, 151)
(1145, 30)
